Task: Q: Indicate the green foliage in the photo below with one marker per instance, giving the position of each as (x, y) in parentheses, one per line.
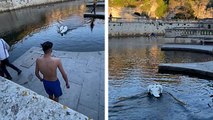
(162, 8)
(185, 9)
(116, 3)
(123, 3)
(146, 5)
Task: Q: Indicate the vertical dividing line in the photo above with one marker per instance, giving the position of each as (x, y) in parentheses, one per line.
(106, 60)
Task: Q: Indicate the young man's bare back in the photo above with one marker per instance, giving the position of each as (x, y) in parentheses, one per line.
(47, 66)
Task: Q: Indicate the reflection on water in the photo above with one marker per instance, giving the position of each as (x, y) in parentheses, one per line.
(144, 55)
(133, 65)
(29, 27)
(92, 23)
(29, 19)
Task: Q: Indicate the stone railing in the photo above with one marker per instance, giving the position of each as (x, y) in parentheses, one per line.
(20, 103)
(143, 20)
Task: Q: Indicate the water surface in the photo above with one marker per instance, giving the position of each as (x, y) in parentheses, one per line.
(28, 27)
(133, 65)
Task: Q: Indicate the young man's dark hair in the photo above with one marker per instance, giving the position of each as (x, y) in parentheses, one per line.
(46, 46)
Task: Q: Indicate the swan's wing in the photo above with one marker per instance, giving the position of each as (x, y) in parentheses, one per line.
(148, 88)
(64, 29)
(61, 28)
(160, 88)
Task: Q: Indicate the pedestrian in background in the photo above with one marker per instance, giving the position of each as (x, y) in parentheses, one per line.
(94, 6)
(4, 55)
(1, 72)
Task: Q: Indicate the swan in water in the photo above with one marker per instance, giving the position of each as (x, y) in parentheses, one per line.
(155, 90)
(63, 29)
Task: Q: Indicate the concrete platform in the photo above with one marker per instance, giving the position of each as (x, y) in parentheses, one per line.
(99, 15)
(85, 72)
(201, 69)
(20, 103)
(192, 48)
(99, 4)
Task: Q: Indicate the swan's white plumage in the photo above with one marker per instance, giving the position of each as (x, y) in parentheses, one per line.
(155, 89)
(63, 29)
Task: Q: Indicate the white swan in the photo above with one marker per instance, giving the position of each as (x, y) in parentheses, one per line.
(63, 29)
(155, 89)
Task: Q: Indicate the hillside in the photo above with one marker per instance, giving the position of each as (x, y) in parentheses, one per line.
(170, 9)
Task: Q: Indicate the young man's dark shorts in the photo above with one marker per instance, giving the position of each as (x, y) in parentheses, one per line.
(52, 88)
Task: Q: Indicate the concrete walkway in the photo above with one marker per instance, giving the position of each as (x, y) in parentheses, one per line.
(202, 69)
(99, 15)
(192, 48)
(85, 72)
(99, 4)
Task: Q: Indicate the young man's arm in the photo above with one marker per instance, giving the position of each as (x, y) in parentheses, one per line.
(37, 71)
(64, 75)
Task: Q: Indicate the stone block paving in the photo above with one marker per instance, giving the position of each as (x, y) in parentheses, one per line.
(85, 72)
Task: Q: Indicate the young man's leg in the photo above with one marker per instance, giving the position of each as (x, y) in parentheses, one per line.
(47, 87)
(56, 99)
(51, 97)
(57, 94)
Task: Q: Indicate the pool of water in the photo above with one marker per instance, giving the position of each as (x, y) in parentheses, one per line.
(28, 27)
(133, 65)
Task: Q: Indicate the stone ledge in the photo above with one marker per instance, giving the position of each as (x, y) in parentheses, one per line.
(20, 103)
(200, 69)
(191, 48)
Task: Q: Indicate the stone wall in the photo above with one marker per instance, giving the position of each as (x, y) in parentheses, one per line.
(137, 28)
(20, 103)
(6, 5)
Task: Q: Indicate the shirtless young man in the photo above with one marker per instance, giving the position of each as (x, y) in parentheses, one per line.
(47, 66)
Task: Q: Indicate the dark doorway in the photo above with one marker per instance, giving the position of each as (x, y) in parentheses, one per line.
(209, 26)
